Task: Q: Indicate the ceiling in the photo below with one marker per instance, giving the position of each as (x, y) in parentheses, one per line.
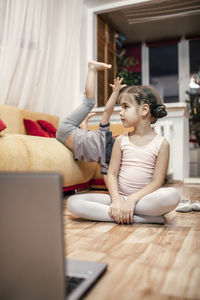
(156, 20)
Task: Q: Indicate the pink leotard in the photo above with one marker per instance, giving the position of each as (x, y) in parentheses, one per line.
(137, 164)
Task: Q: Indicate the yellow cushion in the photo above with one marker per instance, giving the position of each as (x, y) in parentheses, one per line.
(13, 154)
(23, 153)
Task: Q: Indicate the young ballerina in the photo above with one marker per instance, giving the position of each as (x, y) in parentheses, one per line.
(137, 168)
(88, 145)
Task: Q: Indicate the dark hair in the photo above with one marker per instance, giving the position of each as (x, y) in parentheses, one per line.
(148, 95)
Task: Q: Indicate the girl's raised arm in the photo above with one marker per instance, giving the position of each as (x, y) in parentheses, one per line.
(116, 87)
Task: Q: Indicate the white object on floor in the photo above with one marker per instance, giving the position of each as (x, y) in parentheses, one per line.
(195, 206)
(184, 206)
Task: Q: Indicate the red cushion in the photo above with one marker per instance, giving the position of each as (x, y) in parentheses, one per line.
(98, 184)
(33, 128)
(48, 127)
(80, 186)
(2, 125)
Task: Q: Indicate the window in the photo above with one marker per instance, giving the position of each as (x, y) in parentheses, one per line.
(163, 67)
(194, 56)
(194, 46)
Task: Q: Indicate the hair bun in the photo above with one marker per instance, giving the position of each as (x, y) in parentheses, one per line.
(159, 111)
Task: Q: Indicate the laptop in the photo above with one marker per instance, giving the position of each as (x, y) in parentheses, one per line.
(32, 262)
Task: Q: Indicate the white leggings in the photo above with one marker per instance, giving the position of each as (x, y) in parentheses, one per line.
(150, 209)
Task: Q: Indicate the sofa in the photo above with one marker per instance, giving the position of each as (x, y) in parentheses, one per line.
(20, 152)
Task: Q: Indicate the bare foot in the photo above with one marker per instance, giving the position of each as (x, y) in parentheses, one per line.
(97, 66)
(84, 124)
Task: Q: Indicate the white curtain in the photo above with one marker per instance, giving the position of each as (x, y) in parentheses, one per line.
(39, 54)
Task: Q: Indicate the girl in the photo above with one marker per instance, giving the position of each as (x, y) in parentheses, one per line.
(137, 168)
(88, 145)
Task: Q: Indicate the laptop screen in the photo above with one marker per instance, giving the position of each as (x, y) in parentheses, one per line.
(31, 237)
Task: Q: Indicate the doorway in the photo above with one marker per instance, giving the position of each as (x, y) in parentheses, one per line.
(136, 23)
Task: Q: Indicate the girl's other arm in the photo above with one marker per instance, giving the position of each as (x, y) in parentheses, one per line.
(112, 182)
(116, 87)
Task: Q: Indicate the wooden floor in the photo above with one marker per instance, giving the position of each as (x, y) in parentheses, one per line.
(144, 261)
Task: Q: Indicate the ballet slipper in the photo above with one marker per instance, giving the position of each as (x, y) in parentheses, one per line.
(184, 206)
(195, 206)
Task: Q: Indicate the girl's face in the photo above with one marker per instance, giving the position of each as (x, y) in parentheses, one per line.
(130, 113)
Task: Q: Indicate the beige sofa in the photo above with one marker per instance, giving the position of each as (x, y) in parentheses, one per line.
(20, 152)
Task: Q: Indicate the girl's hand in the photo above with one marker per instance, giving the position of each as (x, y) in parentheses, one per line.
(115, 211)
(127, 209)
(117, 86)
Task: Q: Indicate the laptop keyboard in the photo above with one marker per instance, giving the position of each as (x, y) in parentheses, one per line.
(72, 283)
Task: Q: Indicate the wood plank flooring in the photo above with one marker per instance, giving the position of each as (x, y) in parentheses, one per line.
(151, 262)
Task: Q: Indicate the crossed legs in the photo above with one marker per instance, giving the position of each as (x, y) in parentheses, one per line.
(150, 209)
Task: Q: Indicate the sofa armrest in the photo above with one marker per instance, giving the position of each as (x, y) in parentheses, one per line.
(10, 116)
